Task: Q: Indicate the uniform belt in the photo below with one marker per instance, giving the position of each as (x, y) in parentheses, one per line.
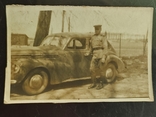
(98, 48)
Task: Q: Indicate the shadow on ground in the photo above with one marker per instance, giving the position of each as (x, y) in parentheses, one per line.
(64, 85)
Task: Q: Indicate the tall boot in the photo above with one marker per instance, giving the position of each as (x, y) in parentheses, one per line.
(100, 85)
(93, 78)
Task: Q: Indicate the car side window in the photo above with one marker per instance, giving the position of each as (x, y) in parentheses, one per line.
(81, 43)
(77, 44)
(71, 44)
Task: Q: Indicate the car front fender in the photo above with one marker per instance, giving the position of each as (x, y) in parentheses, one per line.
(26, 66)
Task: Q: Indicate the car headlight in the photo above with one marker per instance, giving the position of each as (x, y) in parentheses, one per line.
(16, 68)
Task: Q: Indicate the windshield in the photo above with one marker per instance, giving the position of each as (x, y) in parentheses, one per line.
(55, 41)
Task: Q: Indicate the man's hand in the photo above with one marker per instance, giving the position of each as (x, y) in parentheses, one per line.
(103, 59)
(87, 54)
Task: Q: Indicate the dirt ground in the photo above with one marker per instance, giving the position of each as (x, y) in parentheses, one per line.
(133, 85)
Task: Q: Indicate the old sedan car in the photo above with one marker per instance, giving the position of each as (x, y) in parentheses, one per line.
(59, 57)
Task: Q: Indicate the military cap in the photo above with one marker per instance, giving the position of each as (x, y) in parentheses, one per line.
(97, 26)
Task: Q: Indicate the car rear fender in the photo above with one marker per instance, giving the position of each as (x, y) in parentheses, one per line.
(119, 64)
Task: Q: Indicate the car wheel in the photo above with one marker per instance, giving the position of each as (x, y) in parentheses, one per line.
(110, 73)
(35, 82)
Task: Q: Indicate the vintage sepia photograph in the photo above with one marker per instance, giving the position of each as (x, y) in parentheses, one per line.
(63, 54)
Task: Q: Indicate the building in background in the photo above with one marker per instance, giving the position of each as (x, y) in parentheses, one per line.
(19, 39)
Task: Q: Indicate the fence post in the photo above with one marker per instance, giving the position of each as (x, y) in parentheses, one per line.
(145, 43)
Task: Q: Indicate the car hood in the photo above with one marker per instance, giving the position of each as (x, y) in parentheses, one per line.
(39, 50)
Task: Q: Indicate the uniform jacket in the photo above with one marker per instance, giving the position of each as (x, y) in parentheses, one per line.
(99, 45)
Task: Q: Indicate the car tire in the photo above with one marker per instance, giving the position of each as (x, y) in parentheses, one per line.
(110, 73)
(35, 82)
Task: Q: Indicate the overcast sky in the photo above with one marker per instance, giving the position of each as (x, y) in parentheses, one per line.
(23, 20)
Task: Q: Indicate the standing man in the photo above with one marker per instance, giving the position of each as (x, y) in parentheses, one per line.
(99, 47)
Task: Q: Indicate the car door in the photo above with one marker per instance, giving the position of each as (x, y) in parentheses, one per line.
(77, 47)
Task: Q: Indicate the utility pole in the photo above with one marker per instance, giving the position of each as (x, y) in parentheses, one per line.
(63, 14)
(69, 24)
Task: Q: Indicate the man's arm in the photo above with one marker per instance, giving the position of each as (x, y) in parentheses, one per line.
(105, 45)
(105, 50)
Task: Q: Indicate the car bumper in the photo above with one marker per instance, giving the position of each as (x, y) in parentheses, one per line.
(13, 81)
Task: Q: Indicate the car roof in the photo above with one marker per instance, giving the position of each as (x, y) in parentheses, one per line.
(72, 35)
(78, 35)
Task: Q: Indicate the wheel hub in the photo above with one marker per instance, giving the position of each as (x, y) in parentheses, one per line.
(36, 81)
(109, 73)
